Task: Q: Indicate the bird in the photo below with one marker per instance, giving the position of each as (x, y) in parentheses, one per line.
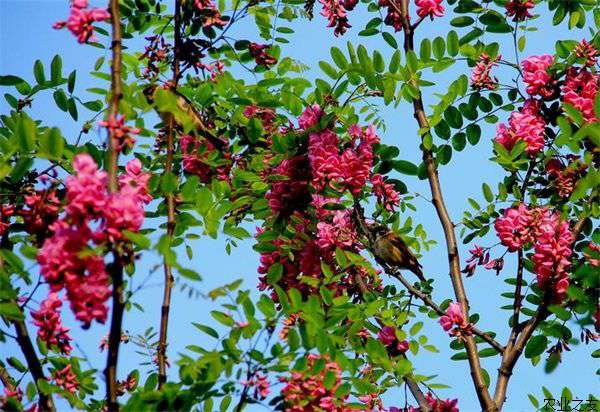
(389, 248)
(170, 104)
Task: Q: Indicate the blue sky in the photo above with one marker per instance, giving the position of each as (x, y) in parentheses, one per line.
(26, 35)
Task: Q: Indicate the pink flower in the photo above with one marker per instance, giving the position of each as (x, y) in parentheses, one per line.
(210, 13)
(387, 336)
(340, 233)
(336, 15)
(42, 209)
(306, 391)
(439, 405)
(454, 322)
(480, 76)
(525, 125)
(292, 193)
(80, 21)
(199, 159)
(262, 58)
(579, 90)
(552, 255)
(134, 178)
(86, 191)
(519, 9)
(535, 74)
(385, 192)
(51, 331)
(392, 18)
(6, 211)
(310, 117)
(429, 7)
(588, 52)
(261, 385)
(66, 379)
(514, 228)
(119, 132)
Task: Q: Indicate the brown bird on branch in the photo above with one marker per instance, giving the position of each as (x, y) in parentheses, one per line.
(389, 248)
(170, 104)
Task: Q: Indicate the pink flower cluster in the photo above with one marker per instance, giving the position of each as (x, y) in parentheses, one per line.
(93, 217)
(454, 322)
(523, 125)
(564, 178)
(42, 209)
(551, 259)
(535, 75)
(480, 76)
(350, 169)
(81, 20)
(429, 8)
(336, 15)
(260, 55)
(435, 404)
(66, 379)
(261, 385)
(292, 193)
(51, 331)
(6, 211)
(393, 17)
(199, 157)
(339, 233)
(587, 52)
(306, 391)
(394, 346)
(580, 90)
(210, 13)
(385, 192)
(119, 132)
(519, 9)
(481, 257)
(552, 240)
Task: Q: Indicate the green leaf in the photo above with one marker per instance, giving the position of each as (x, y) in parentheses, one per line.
(405, 167)
(536, 346)
(38, 72)
(206, 329)
(17, 364)
(452, 43)
(439, 47)
(444, 154)
(27, 134)
(10, 80)
(328, 69)
(473, 133)
(415, 328)
(487, 192)
(60, 98)
(11, 311)
(56, 69)
(338, 58)
(71, 81)
(389, 39)
(222, 318)
(462, 21)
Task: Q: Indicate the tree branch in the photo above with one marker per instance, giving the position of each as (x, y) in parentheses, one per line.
(513, 352)
(170, 200)
(483, 394)
(115, 269)
(46, 403)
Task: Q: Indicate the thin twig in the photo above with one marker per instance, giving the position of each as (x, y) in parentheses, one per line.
(170, 200)
(115, 268)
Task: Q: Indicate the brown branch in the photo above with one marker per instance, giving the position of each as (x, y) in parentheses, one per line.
(170, 200)
(46, 403)
(483, 394)
(513, 352)
(115, 269)
(517, 299)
